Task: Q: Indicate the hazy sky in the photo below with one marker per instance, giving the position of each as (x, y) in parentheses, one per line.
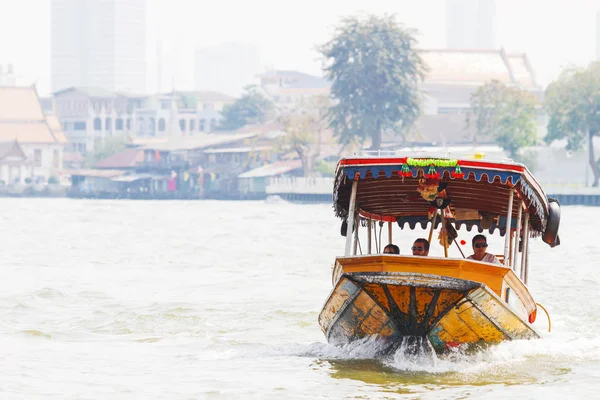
(554, 33)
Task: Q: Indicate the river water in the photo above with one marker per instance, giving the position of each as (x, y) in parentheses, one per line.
(219, 300)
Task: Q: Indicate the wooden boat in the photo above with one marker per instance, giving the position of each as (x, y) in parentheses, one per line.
(442, 301)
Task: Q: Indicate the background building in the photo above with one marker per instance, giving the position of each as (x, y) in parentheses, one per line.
(98, 43)
(598, 35)
(471, 24)
(227, 67)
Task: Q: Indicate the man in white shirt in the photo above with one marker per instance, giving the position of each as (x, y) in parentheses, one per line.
(479, 251)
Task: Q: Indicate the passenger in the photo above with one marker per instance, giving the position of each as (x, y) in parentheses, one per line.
(420, 247)
(479, 251)
(391, 249)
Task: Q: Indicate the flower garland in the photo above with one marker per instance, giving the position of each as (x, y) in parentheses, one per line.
(422, 162)
(404, 171)
(457, 173)
(432, 173)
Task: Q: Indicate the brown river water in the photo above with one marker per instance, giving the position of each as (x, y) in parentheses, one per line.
(219, 300)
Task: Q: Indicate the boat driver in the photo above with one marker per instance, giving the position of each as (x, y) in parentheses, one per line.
(420, 247)
(479, 251)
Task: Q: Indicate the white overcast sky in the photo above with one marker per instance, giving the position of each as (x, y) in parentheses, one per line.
(554, 33)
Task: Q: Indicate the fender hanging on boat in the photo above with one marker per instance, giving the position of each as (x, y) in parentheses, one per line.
(550, 235)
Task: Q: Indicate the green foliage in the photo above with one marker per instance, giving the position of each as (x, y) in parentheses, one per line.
(375, 72)
(504, 114)
(252, 108)
(111, 145)
(53, 180)
(304, 128)
(28, 180)
(573, 107)
(325, 169)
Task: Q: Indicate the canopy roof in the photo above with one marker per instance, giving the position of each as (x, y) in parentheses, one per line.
(387, 190)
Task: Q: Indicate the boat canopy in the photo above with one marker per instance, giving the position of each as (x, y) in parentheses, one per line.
(405, 190)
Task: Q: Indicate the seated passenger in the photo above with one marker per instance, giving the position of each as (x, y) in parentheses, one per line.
(479, 251)
(420, 247)
(391, 249)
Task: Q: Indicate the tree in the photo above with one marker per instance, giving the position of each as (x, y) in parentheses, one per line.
(573, 106)
(506, 115)
(375, 72)
(304, 127)
(111, 145)
(252, 108)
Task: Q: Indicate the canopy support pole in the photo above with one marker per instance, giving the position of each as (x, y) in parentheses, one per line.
(369, 223)
(351, 211)
(515, 256)
(357, 222)
(525, 247)
(507, 233)
(390, 232)
(432, 225)
(444, 235)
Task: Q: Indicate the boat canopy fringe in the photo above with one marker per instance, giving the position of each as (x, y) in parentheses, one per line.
(483, 179)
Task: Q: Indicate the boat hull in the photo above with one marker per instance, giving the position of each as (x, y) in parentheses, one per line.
(394, 306)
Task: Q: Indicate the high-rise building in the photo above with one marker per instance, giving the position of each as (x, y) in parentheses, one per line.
(7, 75)
(98, 43)
(227, 67)
(471, 24)
(598, 35)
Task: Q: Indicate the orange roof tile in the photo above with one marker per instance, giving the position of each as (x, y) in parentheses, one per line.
(19, 103)
(466, 66)
(26, 132)
(56, 128)
(22, 118)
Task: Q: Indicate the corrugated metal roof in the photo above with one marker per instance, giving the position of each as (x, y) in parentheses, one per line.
(199, 141)
(95, 173)
(238, 149)
(131, 178)
(274, 169)
(127, 158)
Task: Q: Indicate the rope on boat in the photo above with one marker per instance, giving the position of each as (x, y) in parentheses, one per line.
(547, 315)
(459, 249)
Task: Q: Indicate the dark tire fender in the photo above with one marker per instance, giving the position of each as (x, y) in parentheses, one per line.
(550, 235)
